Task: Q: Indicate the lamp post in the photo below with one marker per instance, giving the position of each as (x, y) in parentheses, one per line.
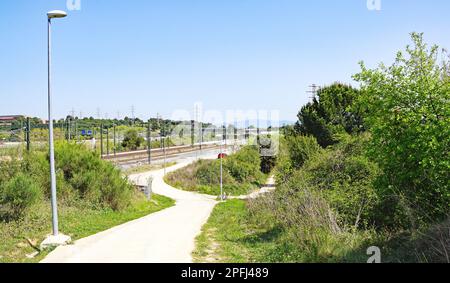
(221, 173)
(52, 15)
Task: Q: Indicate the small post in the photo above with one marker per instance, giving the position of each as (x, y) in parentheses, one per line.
(149, 189)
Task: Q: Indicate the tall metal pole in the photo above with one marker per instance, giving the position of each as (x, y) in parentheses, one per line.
(107, 141)
(115, 149)
(164, 149)
(28, 133)
(51, 145)
(221, 172)
(149, 142)
(101, 141)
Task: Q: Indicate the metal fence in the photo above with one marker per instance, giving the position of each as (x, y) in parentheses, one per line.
(109, 139)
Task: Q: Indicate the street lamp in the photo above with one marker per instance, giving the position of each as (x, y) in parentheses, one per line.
(56, 239)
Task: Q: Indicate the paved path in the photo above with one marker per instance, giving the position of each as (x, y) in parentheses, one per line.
(268, 187)
(167, 236)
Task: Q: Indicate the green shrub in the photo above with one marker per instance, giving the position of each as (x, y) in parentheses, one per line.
(241, 174)
(132, 140)
(18, 195)
(345, 176)
(92, 179)
(342, 175)
(330, 113)
(407, 110)
(244, 166)
(208, 174)
(294, 152)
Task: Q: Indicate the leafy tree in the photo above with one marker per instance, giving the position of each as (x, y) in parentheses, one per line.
(407, 109)
(330, 113)
(132, 140)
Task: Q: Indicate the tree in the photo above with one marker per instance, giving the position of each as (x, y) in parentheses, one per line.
(330, 113)
(132, 140)
(408, 112)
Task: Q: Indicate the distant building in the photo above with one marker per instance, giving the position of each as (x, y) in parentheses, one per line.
(8, 120)
(11, 118)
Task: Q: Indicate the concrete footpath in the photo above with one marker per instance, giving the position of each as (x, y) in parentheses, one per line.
(167, 236)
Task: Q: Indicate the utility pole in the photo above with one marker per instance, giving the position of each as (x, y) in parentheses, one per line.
(101, 140)
(192, 132)
(221, 169)
(132, 114)
(115, 145)
(313, 91)
(149, 142)
(107, 141)
(28, 133)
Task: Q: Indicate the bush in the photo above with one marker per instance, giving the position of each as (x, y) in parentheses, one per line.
(407, 110)
(244, 166)
(92, 179)
(241, 174)
(345, 176)
(208, 174)
(294, 152)
(332, 112)
(132, 140)
(18, 195)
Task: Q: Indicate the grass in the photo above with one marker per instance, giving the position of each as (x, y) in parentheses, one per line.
(186, 179)
(76, 220)
(146, 168)
(241, 174)
(232, 236)
(229, 238)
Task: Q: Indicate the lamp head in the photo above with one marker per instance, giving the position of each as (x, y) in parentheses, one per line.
(56, 14)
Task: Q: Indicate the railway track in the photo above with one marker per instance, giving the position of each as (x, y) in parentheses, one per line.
(128, 158)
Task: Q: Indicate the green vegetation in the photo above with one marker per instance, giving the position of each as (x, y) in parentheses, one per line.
(92, 197)
(241, 174)
(76, 220)
(331, 112)
(407, 109)
(379, 178)
(132, 140)
(234, 233)
(229, 237)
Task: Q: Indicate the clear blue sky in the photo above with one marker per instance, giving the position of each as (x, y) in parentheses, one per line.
(162, 55)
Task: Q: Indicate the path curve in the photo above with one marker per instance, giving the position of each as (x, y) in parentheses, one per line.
(167, 236)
